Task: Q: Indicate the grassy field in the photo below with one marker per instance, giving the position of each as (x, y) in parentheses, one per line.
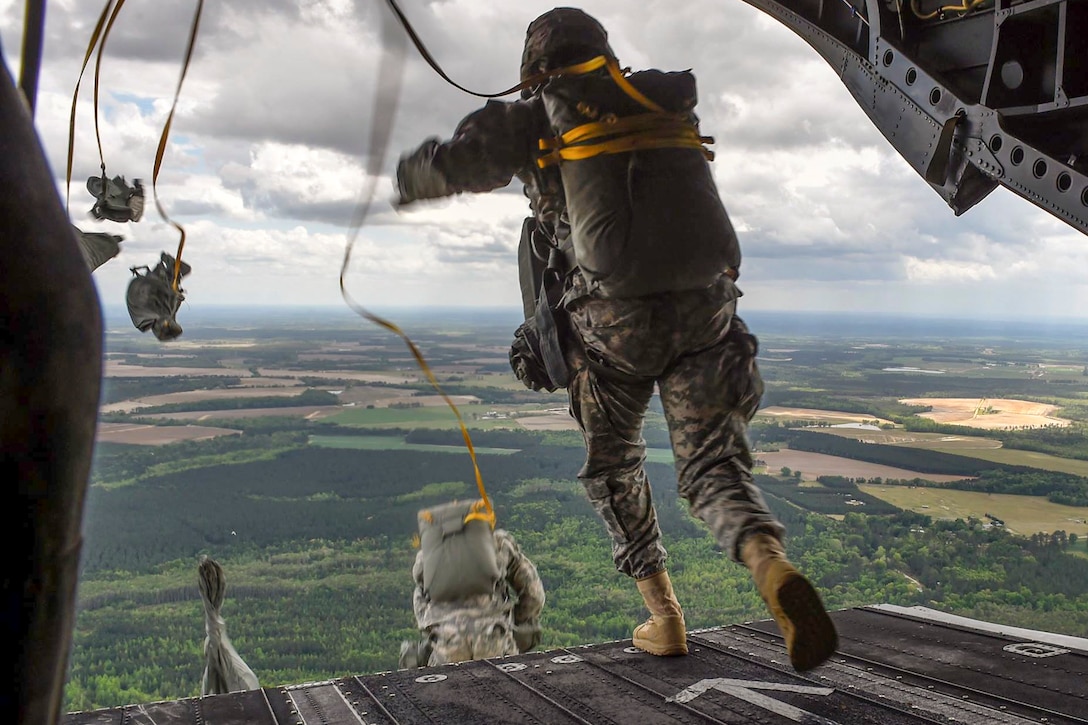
(1024, 515)
(1014, 457)
(422, 417)
(812, 465)
(393, 443)
(986, 449)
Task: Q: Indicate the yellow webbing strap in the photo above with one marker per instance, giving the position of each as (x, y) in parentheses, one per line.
(75, 95)
(481, 511)
(626, 87)
(630, 142)
(655, 130)
(162, 146)
(612, 126)
(490, 515)
(644, 131)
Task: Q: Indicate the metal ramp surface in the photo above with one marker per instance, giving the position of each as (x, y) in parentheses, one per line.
(894, 666)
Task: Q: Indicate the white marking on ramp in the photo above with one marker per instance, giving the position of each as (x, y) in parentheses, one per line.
(745, 690)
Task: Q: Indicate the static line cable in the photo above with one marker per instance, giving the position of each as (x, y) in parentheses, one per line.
(390, 78)
(527, 83)
(855, 12)
(434, 64)
(97, 74)
(75, 97)
(162, 145)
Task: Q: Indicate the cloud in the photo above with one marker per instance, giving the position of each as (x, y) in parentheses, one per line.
(270, 148)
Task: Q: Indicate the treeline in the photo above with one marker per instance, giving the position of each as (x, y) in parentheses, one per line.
(830, 499)
(1063, 488)
(299, 493)
(307, 397)
(119, 463)
(880, 407)
(307, 610)
(115, 390)
(1066, 441)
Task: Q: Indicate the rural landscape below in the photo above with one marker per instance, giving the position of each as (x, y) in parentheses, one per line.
(913, 462)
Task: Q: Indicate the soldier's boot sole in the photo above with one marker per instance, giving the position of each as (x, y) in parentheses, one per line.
(810, 634)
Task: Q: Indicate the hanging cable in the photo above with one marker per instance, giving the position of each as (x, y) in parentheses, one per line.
(390, 78)
(161, 150)
(98, 28)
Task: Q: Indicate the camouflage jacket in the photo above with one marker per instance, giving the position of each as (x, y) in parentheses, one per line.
(518, 597)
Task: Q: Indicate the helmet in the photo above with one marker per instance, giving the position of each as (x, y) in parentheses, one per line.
(559, 37)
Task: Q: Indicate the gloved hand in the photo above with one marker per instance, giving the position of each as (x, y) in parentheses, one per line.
(414, 653)
(526, 636)
(417, 178)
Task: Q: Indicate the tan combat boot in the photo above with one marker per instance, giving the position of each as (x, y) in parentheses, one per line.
(664, 632)
(809, 633)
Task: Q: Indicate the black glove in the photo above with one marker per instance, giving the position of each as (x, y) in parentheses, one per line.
(417, 178)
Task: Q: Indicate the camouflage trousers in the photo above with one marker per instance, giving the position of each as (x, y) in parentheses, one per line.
(702, 360)
(465, 637)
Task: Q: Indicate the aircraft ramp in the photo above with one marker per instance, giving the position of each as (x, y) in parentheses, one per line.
(895, 666)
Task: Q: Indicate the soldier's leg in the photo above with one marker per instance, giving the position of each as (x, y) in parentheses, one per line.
(610, 417)
(709, 397)
(609, 400)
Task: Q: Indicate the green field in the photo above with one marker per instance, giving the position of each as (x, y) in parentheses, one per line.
(422, 417)
(393, 443)
(986, 449)
(1024, 515)
(1015, 457)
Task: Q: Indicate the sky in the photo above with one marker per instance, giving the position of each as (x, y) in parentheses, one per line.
(270, 145)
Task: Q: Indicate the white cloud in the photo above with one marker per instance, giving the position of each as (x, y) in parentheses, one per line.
(267, 155)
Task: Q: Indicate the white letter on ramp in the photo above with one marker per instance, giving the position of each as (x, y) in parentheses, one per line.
(745, 690)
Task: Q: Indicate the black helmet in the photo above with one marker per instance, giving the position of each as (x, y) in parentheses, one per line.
(560, 37)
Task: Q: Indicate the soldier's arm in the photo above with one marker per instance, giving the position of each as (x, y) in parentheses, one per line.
(488, 148)
(524, 579)
(419, 599)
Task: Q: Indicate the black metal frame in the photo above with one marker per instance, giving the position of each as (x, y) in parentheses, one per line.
(994, 95)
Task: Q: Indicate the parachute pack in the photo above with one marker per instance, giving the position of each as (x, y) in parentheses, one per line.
(644, 210)
(153, 300)
(459, 558)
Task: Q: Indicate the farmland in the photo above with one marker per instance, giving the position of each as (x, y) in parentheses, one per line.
(298, 456)
(1023, 515)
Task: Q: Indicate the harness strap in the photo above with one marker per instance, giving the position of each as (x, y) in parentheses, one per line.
(644, 131)
(654, 130)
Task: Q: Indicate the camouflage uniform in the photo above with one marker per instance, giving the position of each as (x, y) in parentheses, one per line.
(702, 359)
(687, 342)
(505, 622)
